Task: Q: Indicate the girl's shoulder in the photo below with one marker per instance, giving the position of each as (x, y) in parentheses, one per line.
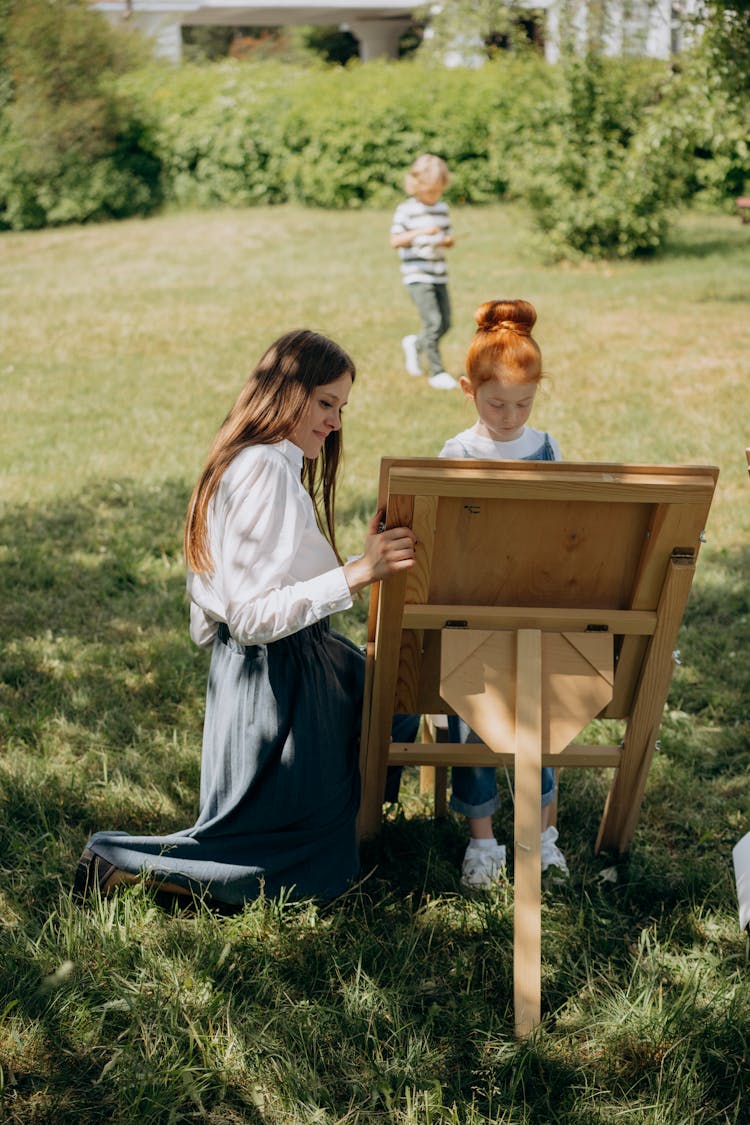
(460, 445)
(256, 466)
(533, 442)
(256, 456)
(542, 437)
(532, 436)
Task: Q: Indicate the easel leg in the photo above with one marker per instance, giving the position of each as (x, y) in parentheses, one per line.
(626, 794)
(527, 913)
(380, 689)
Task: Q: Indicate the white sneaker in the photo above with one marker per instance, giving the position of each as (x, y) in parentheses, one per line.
(442, 381)
(551, 854)
(482, 866)
(411, 355)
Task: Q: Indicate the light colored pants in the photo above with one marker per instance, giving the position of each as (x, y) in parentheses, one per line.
(434, 307)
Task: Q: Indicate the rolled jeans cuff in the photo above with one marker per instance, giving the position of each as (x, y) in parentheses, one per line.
(487, 808)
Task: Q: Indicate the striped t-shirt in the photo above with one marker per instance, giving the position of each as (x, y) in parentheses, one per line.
(424, 258)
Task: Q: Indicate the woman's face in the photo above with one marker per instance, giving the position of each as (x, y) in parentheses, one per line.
(322, 415)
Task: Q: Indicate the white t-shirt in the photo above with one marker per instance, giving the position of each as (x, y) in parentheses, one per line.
(274, 572)
(471, 444)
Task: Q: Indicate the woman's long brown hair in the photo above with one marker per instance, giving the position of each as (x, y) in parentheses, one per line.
(266, 411)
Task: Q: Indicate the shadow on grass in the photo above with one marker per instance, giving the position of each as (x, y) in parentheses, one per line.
(404, 984)
(686, 241)
(90, 566)
(96, 653)
(101, 690)
(97, 672)
(713, 680)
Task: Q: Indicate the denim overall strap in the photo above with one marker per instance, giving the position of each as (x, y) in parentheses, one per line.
(545, 452)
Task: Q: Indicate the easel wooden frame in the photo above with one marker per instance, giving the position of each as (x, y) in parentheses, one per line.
(570, 579)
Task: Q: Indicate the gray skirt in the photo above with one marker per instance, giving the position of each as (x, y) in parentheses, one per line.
(279, 790)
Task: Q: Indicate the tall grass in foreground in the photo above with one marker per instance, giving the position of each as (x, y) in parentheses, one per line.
(121, 348)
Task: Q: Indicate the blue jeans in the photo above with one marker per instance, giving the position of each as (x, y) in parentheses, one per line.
(474, 788)
(403, 729)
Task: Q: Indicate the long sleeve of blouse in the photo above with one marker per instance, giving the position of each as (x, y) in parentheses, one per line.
(274, 573)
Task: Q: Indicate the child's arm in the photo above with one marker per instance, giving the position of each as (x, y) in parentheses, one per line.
(407, 237)
(448, 237)
(403, 238)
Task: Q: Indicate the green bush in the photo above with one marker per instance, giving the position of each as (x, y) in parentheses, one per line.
(601, 150)
(352, 134)
(242, 133)
(622, 213)
(621, 145)
(5, 83)
(70, 148)
(216, 130)
(349, 140)
(596, 183)
(709, 132)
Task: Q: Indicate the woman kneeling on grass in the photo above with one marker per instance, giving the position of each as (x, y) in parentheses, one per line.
(279, 789)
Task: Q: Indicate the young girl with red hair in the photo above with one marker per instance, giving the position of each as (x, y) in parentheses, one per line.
(503, 372)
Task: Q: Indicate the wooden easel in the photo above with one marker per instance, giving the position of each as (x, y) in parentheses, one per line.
(543, 595)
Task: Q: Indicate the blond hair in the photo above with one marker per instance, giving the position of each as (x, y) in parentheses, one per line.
(426, 171)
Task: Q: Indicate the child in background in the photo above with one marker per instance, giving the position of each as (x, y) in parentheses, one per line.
(421, 231)
(503, 372)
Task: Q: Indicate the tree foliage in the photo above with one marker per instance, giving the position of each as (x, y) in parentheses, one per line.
(602, 150)
(5, 82)
(724, 28)
(72, 148)
(596, 186)
(470, 30)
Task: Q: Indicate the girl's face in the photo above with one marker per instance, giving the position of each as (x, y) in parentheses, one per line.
(322, 415)
(503, 406)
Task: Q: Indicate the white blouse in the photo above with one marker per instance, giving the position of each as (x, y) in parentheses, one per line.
(274, 572)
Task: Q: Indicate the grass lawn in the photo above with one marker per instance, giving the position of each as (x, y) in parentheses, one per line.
(121, 348)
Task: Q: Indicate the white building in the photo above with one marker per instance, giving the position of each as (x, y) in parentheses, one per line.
(376, 24)
(648, 27)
